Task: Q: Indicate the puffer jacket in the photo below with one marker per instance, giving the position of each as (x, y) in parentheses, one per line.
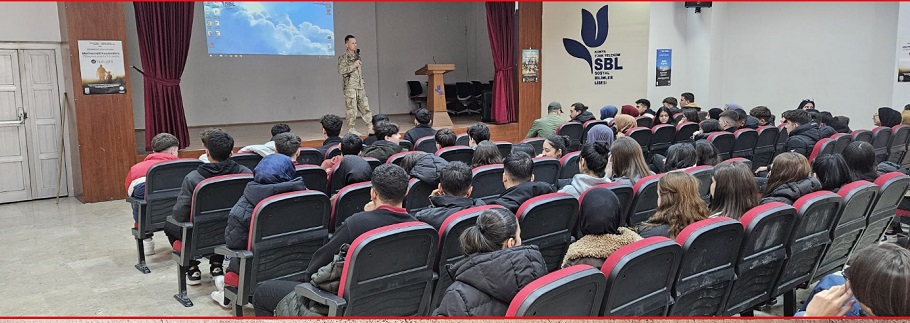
(593, 249)
(584, 116)
(237, 231)
(382, 150)
(514, 196)
(485, 283)
(826, 131)
(444, 206)
(803, 139)
(182, 208)
(428, 168)
(581, 183)
(790, 192)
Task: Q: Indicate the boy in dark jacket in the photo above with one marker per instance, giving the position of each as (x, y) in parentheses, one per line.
(390, 184)
(452, 195)
(517, 177)
(387, 146)
(273, 175)
(371, 138)
(354, 168)
(331, 128)
(422, 128)
(218, 146)
(579, 113)
(802, 134)
(288, 144)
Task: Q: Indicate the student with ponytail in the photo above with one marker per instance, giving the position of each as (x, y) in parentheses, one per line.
(592, 168)
(496, 267)
(555, 146)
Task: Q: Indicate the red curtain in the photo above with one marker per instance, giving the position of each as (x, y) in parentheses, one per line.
(501, 27)
(164, 40)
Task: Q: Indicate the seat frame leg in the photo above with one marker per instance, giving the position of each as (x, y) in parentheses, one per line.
(181, 295)
(238, 309)
(790, 303)
(141, 251)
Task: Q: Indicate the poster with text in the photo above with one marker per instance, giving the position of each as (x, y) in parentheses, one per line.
(101, 66)
(664, 62)
(903, 61)
(530, 59)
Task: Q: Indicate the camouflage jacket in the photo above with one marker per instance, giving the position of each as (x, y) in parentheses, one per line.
(352, 77)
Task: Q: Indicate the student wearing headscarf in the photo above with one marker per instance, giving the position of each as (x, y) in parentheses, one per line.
(630, 110)
(622, 123)
(608, 112)
(599, 223)
(601, 133)
(886, 117)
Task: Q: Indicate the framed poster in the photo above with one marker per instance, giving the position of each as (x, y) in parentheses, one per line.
(530, 59)
(102, 68)
(664, 62)
(903, 61)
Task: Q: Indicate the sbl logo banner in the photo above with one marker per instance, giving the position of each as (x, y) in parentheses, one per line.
(594, 34)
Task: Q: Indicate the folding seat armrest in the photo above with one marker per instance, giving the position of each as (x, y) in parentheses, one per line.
(133, 200)
(335, 303)
(239, 254)
(183, 225)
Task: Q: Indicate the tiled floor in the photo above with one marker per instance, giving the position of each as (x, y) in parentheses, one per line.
(77, 259)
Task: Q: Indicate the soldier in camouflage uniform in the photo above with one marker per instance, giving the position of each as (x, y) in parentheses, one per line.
(355, 97)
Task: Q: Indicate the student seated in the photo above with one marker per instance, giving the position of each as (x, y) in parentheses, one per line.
(555, 146)
(602, 134)
(496, 267)
(164, 148)
(608, 112)
(204, 137)
(644, 108)
(745, 120)
(288, 144)
(886, 117)
(832, 171)
(680, 156)
(690, 115)
(390, 184)
(706, 153)
(476, 133)
(705, 128)
(789, 179)
(624, 122)
(331, 129)
(875, 283)
(733, 190)
(354, 168)
(451, 195)
(486, 153)
(517, 177)
(523, 147)
(546, 125)
(763, 114)
(388, 144)
(627, 162)
(678, 205)
(422, 128)
(592, 166)
(371, 137)
(826, 119)
(273, 175)
(423, 166)
(445, 137)
(802, 134)
(664, 116)
(579, 113)
(218, 146)
(860, 159)
(599, 222)
(268, 147)
(729, 121)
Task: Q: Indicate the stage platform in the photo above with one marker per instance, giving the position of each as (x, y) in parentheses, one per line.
(310, 132)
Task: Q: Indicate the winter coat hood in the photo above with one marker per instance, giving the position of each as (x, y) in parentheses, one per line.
(501, 274)
(274, 168)
(428, 168)
(790, 192)
(600, 213)
(221, 168)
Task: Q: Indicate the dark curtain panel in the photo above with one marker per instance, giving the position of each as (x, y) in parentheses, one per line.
(501, 25)
(164, 39)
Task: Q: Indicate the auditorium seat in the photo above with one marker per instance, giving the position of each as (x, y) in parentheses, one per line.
(505, 148)
(702, 116)
(337, 179)
(782, 137)
(643, 121)
(723, 141)
(426, 144)
(546, 221)
(824, 146)
(622, 191)
(406, 145)
(418, 197)
(250, 160)
(162, 184)
(462, 140)
(486, 182)
(841, 141)
(881, 140)
(536, 142)
(740, 160)
(706, 272)
(450, 251)
(350, 200)
(891, 189)
(858, 198)
(212, 200)
(546, 169)
(569, 165)
(704, 174)
(765, 146)
(572, 130)
(463, 154)
(862, 135)
(378, 279)
(744, 143)
(334, 150)
(587, 127)
(309, 156)
(898, 147)
(572, 291)
(644, 201)
(281, 243)
(314, 177)
(662, 137)
(373, 162)
(640, 276)
(684, 131)
(761, 255)
(396, 158)
(642, 136)
(464, 92)
(816, 215)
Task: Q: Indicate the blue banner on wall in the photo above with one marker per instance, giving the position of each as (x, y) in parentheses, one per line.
(664, 62)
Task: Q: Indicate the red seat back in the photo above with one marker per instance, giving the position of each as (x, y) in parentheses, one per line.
(640, 277)
(644, 202)
(706, 271)
(571, 291)
(546, 221)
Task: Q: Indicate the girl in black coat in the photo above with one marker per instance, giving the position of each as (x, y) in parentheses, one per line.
(789, 179)
(495, 269)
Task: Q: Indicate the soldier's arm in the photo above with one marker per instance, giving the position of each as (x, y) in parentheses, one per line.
(344, 67)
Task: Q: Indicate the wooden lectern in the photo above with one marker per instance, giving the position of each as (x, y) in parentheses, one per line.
(436, 95)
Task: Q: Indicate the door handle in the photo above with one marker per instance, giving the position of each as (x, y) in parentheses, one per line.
(21, 120)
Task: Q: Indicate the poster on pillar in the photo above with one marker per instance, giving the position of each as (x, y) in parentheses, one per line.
(664, 63)
(903, 60)
(102, 68)
(599, 52)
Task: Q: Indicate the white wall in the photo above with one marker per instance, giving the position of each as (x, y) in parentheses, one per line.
(668, 25)
(901, 95)
(395, 40)
(29, 21)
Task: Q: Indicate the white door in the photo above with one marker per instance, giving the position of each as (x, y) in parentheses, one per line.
(30, 142)
(42, 102)
(15, 184)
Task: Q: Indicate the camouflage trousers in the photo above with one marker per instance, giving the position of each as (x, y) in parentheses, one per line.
(355, 100)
